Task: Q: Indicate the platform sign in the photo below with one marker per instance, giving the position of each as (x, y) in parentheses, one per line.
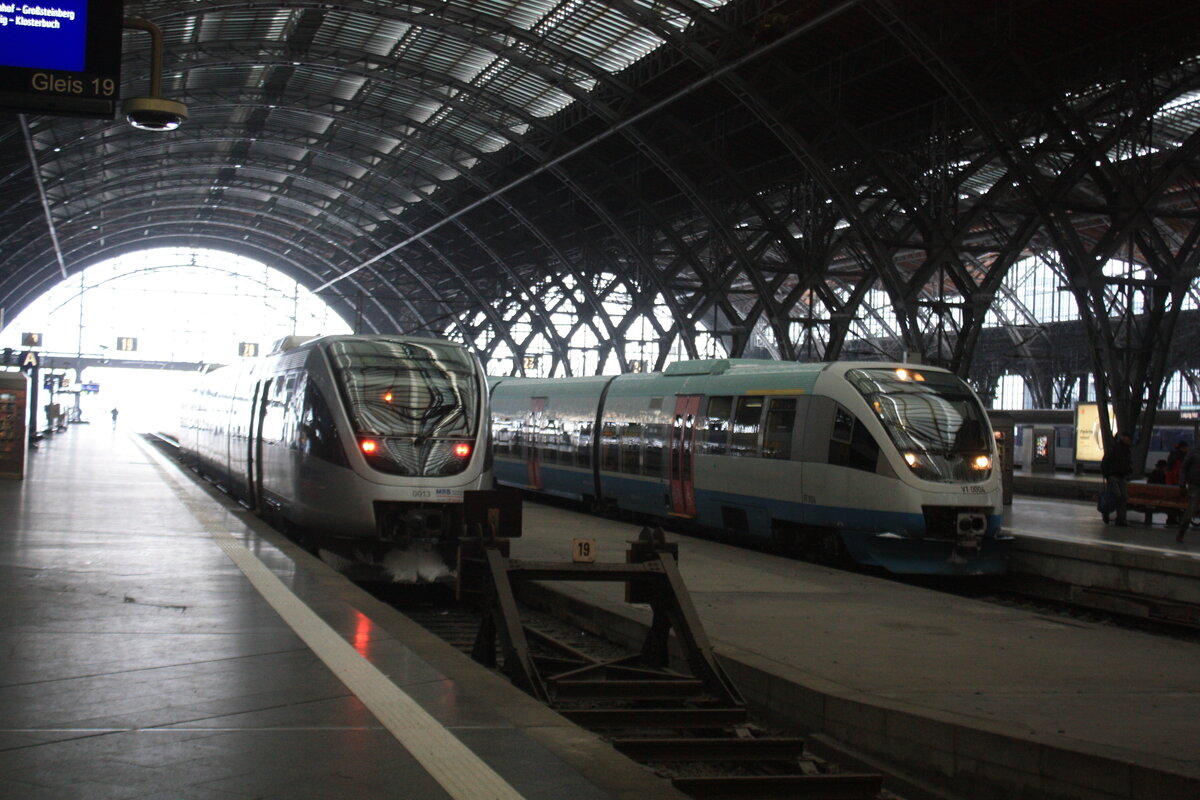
(31, 340)
(583, 551)
(126, 344)
(61, 56)
(90, 388)
(248, 349)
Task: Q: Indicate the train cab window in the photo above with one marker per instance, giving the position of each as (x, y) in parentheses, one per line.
(747, 422)
(851, 444)
(716, 425)
(318, 433)
(631, 448)
(777, 433)
(652, 456)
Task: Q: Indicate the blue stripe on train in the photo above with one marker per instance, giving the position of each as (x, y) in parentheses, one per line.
(890, 539)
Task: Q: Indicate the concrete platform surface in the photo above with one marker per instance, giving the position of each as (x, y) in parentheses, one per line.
(989, 700)
(160, 643)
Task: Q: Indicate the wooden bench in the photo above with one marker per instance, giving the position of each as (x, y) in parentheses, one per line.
(1150, 498)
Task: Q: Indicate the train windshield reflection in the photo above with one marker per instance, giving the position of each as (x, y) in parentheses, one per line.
(932, 417)
(397, 388)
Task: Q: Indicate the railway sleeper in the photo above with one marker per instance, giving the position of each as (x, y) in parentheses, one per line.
(849, 786)
(715, 749)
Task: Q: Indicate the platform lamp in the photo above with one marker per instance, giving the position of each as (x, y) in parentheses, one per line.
(153, 113)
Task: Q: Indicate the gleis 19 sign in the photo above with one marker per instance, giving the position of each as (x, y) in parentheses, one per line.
(61, 56)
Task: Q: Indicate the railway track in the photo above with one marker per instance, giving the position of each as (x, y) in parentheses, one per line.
(686, 722)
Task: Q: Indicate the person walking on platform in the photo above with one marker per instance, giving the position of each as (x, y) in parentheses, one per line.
(114, 416)
(1116, 467)
(1190, 480)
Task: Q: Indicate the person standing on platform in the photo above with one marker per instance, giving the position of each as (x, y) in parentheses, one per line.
(114, 416)
(1190, 480)
(1175, 461)
(1116, 466)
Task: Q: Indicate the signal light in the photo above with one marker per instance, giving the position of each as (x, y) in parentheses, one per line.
(462, 449)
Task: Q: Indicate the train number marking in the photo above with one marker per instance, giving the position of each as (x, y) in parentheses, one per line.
(583, 551)
(973, 490)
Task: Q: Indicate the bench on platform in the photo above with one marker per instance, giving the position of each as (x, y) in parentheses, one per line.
(1151, 498)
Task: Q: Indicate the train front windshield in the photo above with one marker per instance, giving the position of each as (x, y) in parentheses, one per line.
(414, 405)
(933, 418)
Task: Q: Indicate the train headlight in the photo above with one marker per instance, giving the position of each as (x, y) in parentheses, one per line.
(911, 459)
(982, 462)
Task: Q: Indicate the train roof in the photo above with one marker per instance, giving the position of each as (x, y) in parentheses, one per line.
(294, 342)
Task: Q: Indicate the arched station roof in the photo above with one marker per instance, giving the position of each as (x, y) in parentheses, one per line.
(790, 175)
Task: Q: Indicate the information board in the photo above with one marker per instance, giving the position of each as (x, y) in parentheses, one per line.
(61, 56)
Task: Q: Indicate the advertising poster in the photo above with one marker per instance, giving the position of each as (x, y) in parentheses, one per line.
(1089, 440)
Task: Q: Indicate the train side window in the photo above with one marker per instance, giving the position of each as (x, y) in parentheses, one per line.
(746, 425)
(318, 432)
(1065, 437)
(502, 435)
(716, 425)
(851, 444)
(777, 433)
(583, 445)
(631, 448)
(548, 440)
(652, 456)
(610, 452)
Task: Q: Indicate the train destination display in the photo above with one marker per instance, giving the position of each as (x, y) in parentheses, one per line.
(61, 57)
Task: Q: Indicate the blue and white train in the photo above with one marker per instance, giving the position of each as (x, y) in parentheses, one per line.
(362, 446)
(892, 465)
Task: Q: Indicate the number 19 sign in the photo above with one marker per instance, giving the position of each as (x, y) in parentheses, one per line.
(583, 551)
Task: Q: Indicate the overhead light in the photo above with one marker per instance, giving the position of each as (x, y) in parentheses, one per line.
(154, 113)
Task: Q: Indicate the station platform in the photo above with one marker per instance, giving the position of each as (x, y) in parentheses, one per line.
(969, 698)
(159, 642)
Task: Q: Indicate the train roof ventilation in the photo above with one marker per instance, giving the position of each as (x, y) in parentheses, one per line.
(290, 343)
(706, 367)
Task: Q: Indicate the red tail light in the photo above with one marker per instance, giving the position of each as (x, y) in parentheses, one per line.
(369, 446)
(462, 449)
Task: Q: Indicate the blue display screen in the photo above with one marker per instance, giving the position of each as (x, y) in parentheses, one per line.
(44, 35)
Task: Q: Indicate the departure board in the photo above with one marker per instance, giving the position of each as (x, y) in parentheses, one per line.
(61, 57)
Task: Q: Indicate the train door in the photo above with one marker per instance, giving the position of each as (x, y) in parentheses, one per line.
(255, 455)
(683, 437)
(533, 442)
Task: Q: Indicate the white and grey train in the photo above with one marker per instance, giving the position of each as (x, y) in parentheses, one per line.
(362, 446)
(890, 464)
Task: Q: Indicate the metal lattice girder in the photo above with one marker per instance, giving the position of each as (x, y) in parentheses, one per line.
(798, 180)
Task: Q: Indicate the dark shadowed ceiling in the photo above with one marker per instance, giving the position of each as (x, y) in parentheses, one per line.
(757, 168)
